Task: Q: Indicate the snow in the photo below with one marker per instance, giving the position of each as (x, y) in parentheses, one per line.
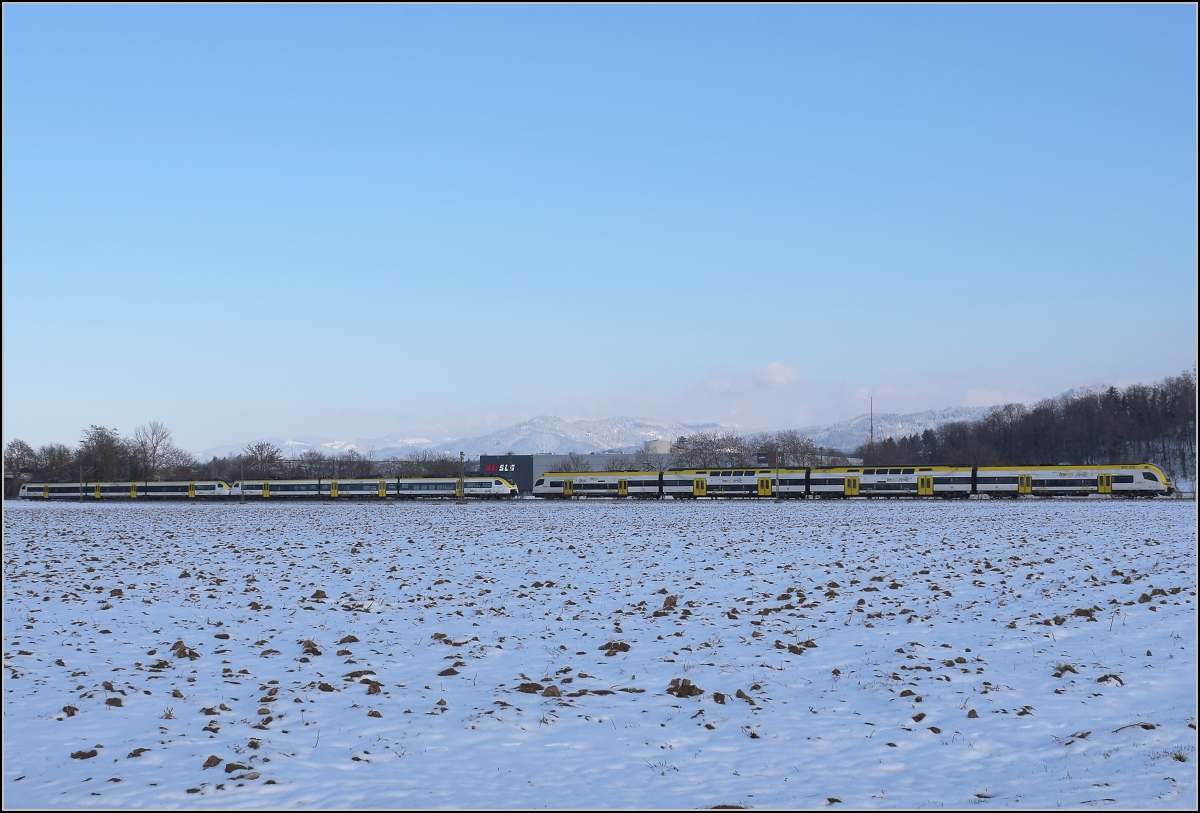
(889, 655)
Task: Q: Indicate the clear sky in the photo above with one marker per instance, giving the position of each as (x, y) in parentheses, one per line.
(355, 221)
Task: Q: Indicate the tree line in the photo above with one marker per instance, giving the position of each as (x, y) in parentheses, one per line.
(1141, 423)
(102, 454)
(1153, 423)
(150, 454)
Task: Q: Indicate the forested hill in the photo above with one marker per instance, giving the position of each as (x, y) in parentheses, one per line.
(1141, 423)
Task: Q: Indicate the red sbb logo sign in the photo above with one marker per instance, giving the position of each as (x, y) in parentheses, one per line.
(492, 468)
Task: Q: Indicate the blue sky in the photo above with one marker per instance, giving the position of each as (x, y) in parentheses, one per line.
(247, 221)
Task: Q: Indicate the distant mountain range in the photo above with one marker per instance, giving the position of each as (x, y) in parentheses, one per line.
(547, 434)
(850, 434)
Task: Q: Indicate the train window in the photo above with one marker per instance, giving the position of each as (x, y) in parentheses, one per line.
(714, 474)
(868, 471)
(907, 471)
(893, 471)
(1149, 475)
(738, 473)
(1122, 478)
(726, 474)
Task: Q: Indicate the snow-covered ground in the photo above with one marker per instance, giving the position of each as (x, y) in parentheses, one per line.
(598, 654)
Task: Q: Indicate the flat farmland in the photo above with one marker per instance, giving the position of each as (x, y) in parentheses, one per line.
(600, 654)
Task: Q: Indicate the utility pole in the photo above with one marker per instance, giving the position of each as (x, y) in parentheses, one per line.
(90, 471)
(462, 473)
(871, 445)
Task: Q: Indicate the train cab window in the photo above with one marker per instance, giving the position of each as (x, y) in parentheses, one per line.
(540, 481)
(1149, 475)
(908, 471)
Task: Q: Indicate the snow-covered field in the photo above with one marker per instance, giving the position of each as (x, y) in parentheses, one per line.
(599, 654)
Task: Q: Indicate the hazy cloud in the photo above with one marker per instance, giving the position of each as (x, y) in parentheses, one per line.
(774, 374)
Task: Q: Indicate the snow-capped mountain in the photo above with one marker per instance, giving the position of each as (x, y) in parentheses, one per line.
(847, 435)
(547, 434)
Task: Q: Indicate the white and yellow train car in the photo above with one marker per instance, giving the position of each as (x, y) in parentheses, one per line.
(1142, 480)
(375, 488)
(151, 490)
(681, 483)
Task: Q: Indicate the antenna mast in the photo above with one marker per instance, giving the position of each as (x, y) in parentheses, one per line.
(871, 447)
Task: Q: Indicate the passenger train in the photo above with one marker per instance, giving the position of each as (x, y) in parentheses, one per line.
(360, 488)
(1141, 480)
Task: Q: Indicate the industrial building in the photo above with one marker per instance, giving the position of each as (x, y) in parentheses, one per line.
(523, 469)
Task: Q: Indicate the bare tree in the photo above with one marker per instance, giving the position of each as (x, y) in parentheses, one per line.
(179, 463)
(19, 456)
(621, 462)
(313, 464)
(574, 462)
(105, 454)
(709, 449)
(55, 462)
(152, 446)
(796, 450)
(19, 459)
(651, 461)
(426, 463)
(352, 463)
(262, 459)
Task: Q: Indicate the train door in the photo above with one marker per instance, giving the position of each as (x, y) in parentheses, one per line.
(1104, 483)
(383, 488)
(622, 488)
(97, 492)
(924, 485)
(764, 486)
(458, 488)
(699, 487)
(568, 488)
(333, 489)
(133, 491)
(1024, 483)
(851, 487)
(266, 489)
(191, 491)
